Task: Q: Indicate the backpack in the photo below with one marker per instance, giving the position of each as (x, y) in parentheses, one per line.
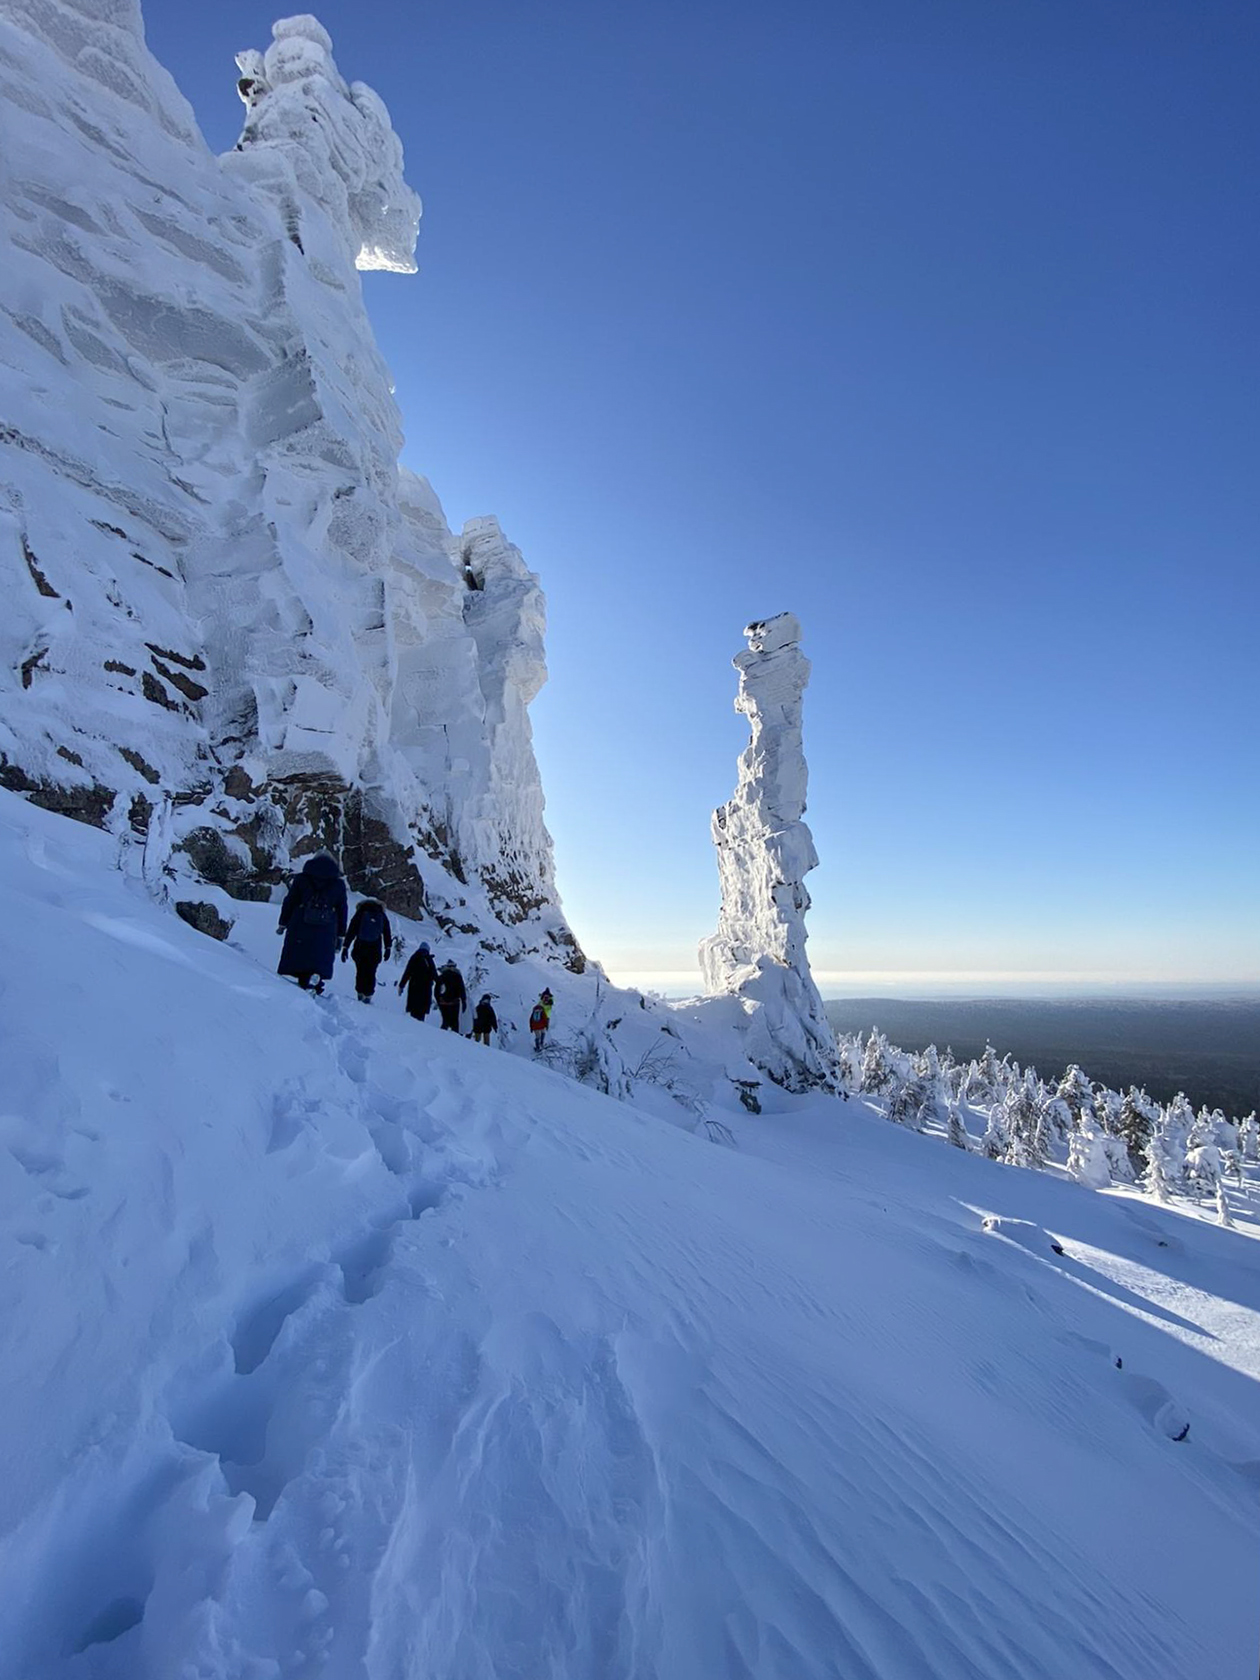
(319, 907)
(537, 1018)
(371, 925)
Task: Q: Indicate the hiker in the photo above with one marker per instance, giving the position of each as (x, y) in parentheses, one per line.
(451, 997)
(417, 981)
(485, 1021)
(540, 1020)
(371, 938)
(313, 922)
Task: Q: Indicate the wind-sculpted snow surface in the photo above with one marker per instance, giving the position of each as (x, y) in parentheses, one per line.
(221, 599)
(764, 852)
(336, 1345)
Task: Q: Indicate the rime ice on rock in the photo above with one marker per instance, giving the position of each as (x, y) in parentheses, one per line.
(222, 598)
(764, 851)
(336, 138)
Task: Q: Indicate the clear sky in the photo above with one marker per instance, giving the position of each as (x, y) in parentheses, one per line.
(932, 323)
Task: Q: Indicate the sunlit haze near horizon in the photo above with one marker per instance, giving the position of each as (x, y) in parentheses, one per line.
(932, 324)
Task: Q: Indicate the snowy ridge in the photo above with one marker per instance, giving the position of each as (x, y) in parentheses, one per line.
(764, 852)
(339, 1345)
(226, 602)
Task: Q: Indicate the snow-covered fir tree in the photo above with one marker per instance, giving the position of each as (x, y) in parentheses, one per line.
(956, 1132)
(877, 1071)
(1249, 1137)
(1172, 1138)
(1205, 1169)
(1166, 1151)
(985, 1081)
(1155, 1180)
(849, 1061)
(1022, 1122)
(1076, 1093)
(1087, 1153)
(906, 1105)
(996, 1142)
(1134, 1125)
(934, 1104)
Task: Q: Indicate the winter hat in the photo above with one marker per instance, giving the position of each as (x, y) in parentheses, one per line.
(423, 946)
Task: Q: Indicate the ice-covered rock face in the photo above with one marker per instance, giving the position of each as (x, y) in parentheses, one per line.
(764, 851)
(337, 140)
(220, 598)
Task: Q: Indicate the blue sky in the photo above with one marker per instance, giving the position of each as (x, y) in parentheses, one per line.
(933, 324)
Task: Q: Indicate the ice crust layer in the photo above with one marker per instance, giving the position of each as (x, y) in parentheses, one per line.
(764, 852)
(228, 613)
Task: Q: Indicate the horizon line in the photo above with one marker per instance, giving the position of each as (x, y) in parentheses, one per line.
(865, 982)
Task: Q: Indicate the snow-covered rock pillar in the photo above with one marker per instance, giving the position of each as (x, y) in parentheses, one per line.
(764, 852)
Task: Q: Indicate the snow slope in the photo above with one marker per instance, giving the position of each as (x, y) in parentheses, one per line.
(337, 1346)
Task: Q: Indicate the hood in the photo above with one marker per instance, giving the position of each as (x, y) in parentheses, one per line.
(321, 865)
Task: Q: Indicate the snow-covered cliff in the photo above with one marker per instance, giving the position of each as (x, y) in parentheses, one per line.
(226, 609)
(764, 852)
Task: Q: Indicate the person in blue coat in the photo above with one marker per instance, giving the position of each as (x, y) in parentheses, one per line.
(313, 921)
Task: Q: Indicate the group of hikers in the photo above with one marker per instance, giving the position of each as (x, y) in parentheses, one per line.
(315, 919)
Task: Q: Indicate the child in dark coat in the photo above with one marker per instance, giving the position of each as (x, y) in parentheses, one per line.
(485, 1021)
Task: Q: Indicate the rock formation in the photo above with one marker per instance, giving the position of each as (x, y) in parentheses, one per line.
(764, 851)
(224, 606)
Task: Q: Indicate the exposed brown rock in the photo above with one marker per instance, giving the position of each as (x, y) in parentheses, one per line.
(375, 862)
(32, 565)
(85, 804)
(31, 665)
(194, 661)
(187, 687)
(140, 814)
(216, 862)
(152, 689)
(204, 917)
(141, 764)
(237, 785)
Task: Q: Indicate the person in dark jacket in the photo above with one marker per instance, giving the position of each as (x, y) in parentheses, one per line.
(485, 1021)
(371, 938)
(313, 922)
(450, 995)
(417, 981)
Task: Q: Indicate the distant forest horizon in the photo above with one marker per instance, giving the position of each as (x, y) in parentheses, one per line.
(1207, 1047)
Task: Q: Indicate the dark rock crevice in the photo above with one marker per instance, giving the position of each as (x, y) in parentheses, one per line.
(90, 804)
